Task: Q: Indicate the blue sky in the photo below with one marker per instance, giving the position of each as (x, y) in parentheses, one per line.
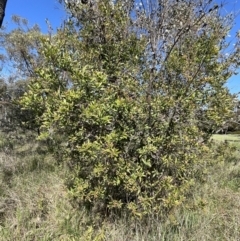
(37, 11)
(229, 6)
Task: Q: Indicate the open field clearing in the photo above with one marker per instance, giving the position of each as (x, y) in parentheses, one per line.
(234, 139)
(227, 137)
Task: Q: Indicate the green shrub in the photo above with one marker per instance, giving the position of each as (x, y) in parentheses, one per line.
(130, 121)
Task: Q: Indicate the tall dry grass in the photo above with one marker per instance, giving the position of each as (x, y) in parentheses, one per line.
(34, 203)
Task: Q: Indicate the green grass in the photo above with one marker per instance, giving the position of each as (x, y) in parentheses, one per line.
(233, 139)
(227, 137)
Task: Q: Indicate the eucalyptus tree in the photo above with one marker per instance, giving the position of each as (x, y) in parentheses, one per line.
(3, 4)
(20, 57)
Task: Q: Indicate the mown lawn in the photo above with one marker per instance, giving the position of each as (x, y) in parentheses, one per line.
(233, 139)
(227, 137)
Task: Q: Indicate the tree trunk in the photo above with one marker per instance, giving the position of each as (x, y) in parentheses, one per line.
(3, 4)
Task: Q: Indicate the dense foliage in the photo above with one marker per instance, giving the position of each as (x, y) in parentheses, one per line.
(132, 91)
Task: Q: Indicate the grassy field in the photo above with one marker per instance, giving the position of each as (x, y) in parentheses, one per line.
(227, 137)
(233, 139)
(34, 203)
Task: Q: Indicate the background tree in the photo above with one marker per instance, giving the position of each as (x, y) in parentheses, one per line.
(3, 4)
(19, 59)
